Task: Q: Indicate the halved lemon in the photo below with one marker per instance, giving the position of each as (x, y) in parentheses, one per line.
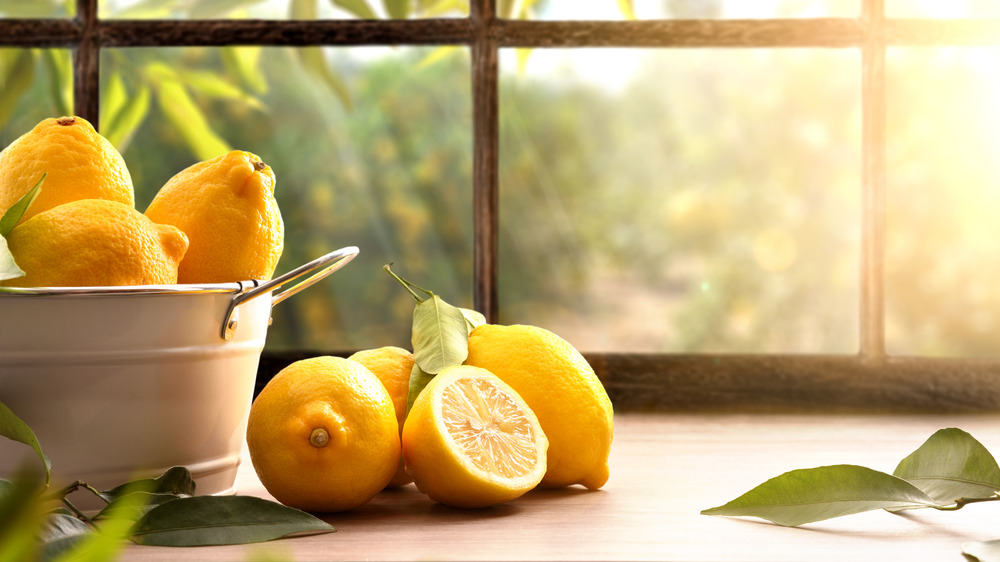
(470, 440)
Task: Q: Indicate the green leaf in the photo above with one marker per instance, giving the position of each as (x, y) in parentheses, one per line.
(18, 75)
(189, 121)
(987, 551)
(136, 504)
(359, 8)
(814, 494)
(418, 380)
(951, 465)
(12, 427)
(113, 98)
(8, 267)
(128, 119)
(211, 85)
(175, 480)
(244, 62)
(60, 69)
(440, 335)
(206, 9)
(111, 535)
(60, 533)
(473, 318)
(397, 9)
(437, 55)
(215, 520)
(13, 215)
(315, 63)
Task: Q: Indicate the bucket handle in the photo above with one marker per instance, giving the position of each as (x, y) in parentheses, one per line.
(318, 268)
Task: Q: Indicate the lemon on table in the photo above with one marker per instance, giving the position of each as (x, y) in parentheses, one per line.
(78, 161)
(471, 441)
(323, 436)
(392, 366)
(561, 389)
(94, 242)
(226, 206)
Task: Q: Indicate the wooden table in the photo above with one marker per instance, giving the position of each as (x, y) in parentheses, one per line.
(664, 470)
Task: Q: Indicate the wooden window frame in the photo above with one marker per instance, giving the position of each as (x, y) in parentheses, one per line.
(870, 380)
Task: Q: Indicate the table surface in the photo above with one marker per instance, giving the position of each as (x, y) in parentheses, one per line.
(665, 468)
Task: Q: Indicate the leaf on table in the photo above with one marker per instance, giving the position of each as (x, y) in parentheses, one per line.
(951, 465)
(12, 427)
(217, 520)
(175, 480)
(60, 533)
(986, 551)
(814, 494)
(440, 335)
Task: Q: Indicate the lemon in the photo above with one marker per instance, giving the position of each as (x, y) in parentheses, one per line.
(392, 366)
(95, 242)
(471, 441)
(226, 207)
(561, 389)
(323, 436)
(78, 161)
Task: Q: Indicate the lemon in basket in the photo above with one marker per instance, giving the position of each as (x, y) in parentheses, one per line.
(323, 436)
(78, 163)
(471, 441)
(94, 242)
(226, 206)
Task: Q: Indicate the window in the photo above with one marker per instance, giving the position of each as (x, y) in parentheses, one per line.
(722, 203)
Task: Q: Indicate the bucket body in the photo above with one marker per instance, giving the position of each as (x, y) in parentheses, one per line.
(124, 383)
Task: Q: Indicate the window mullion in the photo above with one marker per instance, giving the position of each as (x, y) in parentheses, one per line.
(86, 61)
(873, 102)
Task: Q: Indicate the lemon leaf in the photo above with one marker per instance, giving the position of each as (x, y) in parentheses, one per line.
(8, 267)
(473, 318)
(17, 210)
(951, 465)
(13, 427)
(418, 380)
(215, 520)
(814, 494)
(440, 335)
(988, 551)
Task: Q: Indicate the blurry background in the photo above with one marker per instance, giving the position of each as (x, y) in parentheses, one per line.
(652, 200)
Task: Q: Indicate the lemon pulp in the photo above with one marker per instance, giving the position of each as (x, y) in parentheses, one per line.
(489, 427)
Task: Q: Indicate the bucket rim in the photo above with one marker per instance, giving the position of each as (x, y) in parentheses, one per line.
(35, 292)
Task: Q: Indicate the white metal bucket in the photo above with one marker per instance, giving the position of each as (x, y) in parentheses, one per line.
(124, 382)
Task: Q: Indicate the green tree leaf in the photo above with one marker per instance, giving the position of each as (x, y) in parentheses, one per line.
(128, 119)
(359, 8)
(187, 118)
(60, 69)
(397, 9)
(814, 494)
(313, 61)
(987, 551)
(440, 335)
(12, 427)
(951, 465)
(244, 62)
(110, 537)
(418, 380)
(18, 73)
(215, 520)
(206, 9)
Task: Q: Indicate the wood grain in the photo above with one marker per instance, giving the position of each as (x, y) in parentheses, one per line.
(664, 470)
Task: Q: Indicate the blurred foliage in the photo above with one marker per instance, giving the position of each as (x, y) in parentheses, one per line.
(710, 202)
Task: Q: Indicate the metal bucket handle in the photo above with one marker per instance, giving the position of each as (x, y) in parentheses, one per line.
(319, 268)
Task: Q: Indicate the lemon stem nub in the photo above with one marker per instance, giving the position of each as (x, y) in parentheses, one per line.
(319, 437)
(259, 165)
(66, 121)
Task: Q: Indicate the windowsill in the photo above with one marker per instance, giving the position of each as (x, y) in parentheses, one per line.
(665, 468)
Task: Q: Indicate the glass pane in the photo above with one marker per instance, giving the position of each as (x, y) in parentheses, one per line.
(387, 169)
(281, 9)
(682, 200)
(37, 8)
(942, 235)
(681, 9)
(938, 9)
(36, 84)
